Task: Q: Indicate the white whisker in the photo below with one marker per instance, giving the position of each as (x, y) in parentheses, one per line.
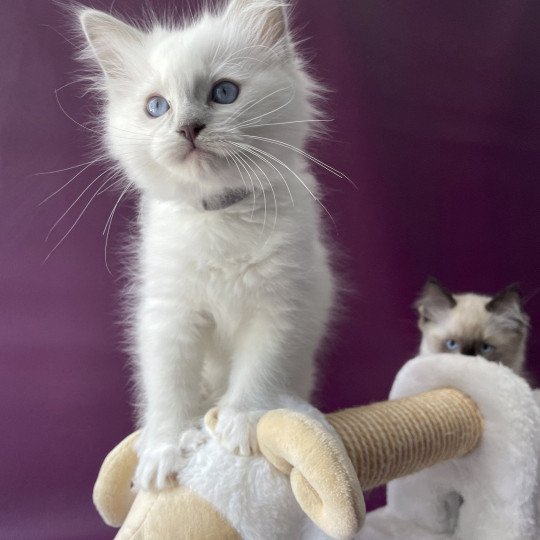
(227, 156)
(253, 151)
(73, 226)
(271, 156)
(69, 117)
(74, 203)
(67, 183)
(271, 187)
(246, 123)
(108, 226)
(292, 122)
(303, 153)
(240, 156)
(242, 111)
(66, 169)
(236, 159)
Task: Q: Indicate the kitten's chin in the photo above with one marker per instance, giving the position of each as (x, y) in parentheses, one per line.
(199, 156)
(196, 166)
(192, 159)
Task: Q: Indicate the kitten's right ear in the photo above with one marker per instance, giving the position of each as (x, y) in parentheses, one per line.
(266, 18)
(434, 302)
(110, 40)
(508, 305)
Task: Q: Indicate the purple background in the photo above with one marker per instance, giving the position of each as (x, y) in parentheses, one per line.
(437, 120)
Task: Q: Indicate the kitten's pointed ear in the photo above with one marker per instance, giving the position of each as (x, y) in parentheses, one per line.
(267, 18)
(111, 40)
(434, 302)
(508, 305)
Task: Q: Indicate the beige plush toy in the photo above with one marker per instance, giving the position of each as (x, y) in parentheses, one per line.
(324, 462)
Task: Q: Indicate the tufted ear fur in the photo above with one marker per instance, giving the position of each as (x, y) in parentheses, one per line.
(267, 18)
(506, 305)
(434, 302)
(112, 41)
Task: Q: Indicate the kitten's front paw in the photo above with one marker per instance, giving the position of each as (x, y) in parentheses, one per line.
(158, 466)
(234, 429)
(161, 462)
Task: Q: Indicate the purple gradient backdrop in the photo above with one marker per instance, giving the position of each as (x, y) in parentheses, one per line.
(437, 119)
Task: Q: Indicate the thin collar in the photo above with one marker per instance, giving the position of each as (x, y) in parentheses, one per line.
(225, 199)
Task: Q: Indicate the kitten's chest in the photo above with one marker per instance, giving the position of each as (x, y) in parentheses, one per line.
(203, 253)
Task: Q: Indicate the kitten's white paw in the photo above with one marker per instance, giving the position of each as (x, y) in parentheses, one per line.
(235, 430)
(161, 462)
(158, 466)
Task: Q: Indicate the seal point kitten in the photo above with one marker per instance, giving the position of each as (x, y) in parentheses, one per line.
(495, 328)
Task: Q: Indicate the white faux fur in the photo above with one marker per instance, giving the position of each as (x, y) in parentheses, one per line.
(498, 481)
(256, 499)
(232, 303)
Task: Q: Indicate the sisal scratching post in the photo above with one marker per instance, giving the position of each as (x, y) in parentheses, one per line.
(377, 443)
(392, 439)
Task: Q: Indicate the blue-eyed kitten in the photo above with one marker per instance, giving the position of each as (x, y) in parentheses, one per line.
(494, 327)
(208, 122)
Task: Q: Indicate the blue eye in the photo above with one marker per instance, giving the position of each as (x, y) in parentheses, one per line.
(452, 344)
(157, 106)
(225, 92)
(486, 348)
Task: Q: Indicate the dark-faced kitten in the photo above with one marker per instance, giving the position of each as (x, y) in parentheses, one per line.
(471, 324)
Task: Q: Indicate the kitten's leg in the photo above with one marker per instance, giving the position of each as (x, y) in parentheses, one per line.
(215, 376)
(273, 356)
(170, 342)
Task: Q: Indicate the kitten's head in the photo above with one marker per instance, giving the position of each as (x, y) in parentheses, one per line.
(493, 327)
(196, 104)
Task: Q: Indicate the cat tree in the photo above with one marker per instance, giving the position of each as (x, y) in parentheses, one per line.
(458, 443)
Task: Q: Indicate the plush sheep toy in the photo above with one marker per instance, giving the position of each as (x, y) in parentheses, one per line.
(458, 443)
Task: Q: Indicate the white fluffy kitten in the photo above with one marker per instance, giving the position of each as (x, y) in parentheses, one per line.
(234, 287)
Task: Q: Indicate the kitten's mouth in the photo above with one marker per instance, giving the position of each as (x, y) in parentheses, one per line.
(198, 154)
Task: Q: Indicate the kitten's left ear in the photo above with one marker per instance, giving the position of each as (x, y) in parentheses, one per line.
(267, 18)
(508, 304)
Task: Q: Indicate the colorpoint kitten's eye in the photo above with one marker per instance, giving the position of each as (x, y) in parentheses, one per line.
(486, 348)
(157, 106)
(451, 344)
(225, 92)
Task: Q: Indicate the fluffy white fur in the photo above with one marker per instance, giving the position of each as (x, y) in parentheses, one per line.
(231, 303)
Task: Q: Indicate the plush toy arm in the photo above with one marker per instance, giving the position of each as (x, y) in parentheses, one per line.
(383, 441)
(322, 477)
(113, 495)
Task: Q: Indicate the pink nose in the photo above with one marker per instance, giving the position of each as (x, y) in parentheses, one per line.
(191, 131)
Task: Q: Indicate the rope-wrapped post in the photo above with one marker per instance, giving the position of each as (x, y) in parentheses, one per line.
(392, 439)
(377, 443)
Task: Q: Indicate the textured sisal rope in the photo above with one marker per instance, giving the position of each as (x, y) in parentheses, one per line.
(392, 439)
